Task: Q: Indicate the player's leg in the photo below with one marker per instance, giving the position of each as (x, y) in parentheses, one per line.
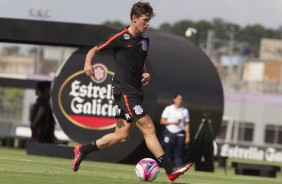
(147, 128)
(121, 134)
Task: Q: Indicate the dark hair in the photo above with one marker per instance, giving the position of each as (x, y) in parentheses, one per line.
(176, 95)
(40, 86)
(47, 84)
(141, 8)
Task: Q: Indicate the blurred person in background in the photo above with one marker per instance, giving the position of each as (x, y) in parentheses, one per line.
(38, 117)
(176, 135)
(50, 134)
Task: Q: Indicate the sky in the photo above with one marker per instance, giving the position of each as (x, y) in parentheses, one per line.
(241, 12)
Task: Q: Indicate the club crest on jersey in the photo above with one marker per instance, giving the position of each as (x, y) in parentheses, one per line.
(138, 109)
(144, 45)
(126, 36)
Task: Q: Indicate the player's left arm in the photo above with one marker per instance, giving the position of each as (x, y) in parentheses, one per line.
(187, 126)
(39, 116)
(145, 77)
(187, 133)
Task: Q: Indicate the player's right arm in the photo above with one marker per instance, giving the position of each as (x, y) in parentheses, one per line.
(88, 70)
(164, 121)
(111, 42)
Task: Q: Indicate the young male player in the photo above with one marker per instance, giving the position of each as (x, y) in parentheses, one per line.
(130, 48)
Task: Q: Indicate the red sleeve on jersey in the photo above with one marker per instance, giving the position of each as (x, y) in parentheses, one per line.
(111, 42)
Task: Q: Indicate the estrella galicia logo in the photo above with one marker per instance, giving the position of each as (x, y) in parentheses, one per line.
(100, 72)
(81, 105)
(88, 105)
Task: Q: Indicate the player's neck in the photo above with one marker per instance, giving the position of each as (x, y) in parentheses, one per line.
(177, 106)
(133, 31)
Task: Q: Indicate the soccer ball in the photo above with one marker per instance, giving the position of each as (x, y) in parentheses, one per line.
(147, 169)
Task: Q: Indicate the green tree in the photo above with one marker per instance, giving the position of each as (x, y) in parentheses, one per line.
(11, 101)
(202, 28)
(180, 27)
(249, 35)
(165, 28)
(253, 34)
(117, 24)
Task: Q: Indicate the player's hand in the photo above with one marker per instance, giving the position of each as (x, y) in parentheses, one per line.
(187, 140)
(176, 123)
(145, 78)
(88, 69)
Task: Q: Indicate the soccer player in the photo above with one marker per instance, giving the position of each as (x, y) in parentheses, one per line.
(130, 48)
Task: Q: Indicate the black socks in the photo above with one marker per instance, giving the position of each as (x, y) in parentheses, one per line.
(88, 148)
(166, 163)
(163, 160)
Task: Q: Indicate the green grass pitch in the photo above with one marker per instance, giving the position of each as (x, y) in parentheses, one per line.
(16, 167)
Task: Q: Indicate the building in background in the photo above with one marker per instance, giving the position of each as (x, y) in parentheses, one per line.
(252, 122)
(18, 66)
(28, 62)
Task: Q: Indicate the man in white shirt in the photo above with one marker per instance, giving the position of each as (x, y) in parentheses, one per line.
(176, 135)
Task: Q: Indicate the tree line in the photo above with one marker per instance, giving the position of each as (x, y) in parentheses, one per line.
(248, 36)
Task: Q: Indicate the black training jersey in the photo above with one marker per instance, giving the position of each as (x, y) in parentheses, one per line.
(129, 54)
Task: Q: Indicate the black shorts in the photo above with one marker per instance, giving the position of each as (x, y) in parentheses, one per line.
(131, 104)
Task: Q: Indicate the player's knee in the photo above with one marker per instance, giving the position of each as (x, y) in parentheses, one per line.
(151, 128)
(147, 125)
